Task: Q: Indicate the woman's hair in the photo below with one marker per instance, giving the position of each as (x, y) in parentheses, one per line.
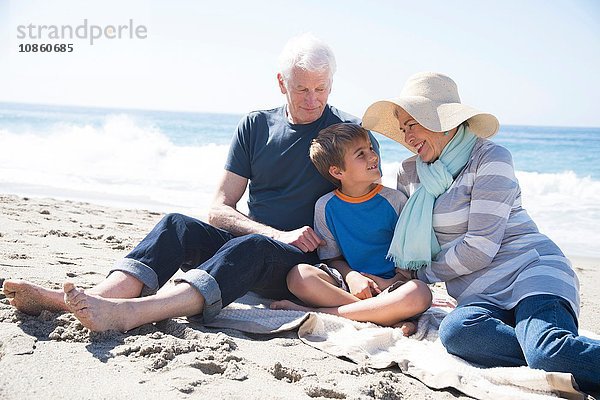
(307, 52)
(329, 147)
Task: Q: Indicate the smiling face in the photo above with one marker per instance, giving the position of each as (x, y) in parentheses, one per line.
(428, 144)
(306, 93)
(361, 168)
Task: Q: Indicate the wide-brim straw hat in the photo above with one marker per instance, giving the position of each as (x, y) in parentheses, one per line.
(432, 100)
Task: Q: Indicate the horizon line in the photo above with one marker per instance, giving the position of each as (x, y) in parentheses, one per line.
(121, 108)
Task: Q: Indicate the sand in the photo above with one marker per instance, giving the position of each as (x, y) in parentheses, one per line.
(49, 241)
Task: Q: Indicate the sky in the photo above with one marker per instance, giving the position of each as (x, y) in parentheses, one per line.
(528, 62)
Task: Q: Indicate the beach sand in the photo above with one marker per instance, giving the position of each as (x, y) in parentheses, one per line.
(49, 241)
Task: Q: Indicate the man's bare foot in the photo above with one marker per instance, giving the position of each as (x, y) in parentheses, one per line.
(96, 313)
(407, 327)
(289, 305)
(32, 299)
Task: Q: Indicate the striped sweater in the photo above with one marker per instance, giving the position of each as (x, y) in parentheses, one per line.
(492, 251)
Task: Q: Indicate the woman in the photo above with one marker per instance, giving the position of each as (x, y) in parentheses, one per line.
(518, 297)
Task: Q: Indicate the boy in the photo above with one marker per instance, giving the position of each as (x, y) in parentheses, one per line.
(357, 222)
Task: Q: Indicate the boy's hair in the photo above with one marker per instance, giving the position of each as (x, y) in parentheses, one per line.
(330, 146)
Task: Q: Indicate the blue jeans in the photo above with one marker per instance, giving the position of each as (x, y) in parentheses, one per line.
(220, 266)
(540, 331)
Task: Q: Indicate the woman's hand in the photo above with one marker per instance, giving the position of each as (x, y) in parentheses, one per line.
(362, 286)
(443, 301)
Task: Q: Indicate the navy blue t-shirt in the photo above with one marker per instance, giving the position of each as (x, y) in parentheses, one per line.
(274, 155)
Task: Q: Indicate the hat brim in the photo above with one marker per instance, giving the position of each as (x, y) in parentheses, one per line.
(380, 117)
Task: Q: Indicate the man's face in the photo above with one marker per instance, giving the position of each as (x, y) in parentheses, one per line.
(306, 93)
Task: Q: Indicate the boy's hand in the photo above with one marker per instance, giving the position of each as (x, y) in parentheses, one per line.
(382, 283)
(303, 238)
(362, 286)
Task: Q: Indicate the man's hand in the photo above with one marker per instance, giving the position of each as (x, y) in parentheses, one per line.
(362, 286)
(304, 238)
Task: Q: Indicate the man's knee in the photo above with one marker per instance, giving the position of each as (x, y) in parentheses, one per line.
(176, 219)
(171, 218)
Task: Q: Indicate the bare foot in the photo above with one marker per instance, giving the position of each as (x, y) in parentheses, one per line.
(407, 327)
(289, 305)
(32, 299)
(96, 313)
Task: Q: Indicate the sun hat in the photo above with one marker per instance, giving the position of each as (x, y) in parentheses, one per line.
(432, 100)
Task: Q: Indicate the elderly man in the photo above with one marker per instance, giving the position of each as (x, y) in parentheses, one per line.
(236, 253)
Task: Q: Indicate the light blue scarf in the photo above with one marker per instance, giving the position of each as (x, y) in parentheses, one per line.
(414, 244)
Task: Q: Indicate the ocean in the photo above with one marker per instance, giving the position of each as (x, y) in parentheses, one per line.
(172, 161)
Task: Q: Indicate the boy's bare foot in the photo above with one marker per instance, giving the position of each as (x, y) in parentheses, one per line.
(32, 299)
(96, 313)
(289, 305)
(407, 327)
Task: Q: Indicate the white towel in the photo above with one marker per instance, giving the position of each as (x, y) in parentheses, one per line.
(421, 356)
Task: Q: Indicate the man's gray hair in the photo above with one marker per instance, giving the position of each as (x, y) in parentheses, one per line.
(307, 52)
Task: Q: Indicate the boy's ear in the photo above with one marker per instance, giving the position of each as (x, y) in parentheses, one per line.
(335, 171)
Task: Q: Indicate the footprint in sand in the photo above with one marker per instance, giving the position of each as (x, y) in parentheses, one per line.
(383, 390)
(18, 257)
(317, 391)
(161, 349)
(289, 375)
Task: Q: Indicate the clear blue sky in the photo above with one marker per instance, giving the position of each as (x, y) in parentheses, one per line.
(529, 62)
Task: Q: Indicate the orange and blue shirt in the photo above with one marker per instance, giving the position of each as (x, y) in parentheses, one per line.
(359, 228)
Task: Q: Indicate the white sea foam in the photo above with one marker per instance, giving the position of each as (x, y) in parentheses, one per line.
(565, 207)
(127, 164)
(120, 163)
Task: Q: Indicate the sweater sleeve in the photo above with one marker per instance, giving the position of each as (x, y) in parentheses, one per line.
(331, 248)
(493, 192)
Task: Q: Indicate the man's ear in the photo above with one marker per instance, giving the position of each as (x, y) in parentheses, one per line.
(335, 171)
(281, 83)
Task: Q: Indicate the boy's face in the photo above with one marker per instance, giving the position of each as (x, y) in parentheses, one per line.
(361, 165)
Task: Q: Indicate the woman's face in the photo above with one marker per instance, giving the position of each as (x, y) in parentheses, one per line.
(428, 144)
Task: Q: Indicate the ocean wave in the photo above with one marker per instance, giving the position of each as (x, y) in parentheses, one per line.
(120, 159)
(564, 206)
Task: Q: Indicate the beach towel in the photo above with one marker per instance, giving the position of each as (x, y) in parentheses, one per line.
(421, 356)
